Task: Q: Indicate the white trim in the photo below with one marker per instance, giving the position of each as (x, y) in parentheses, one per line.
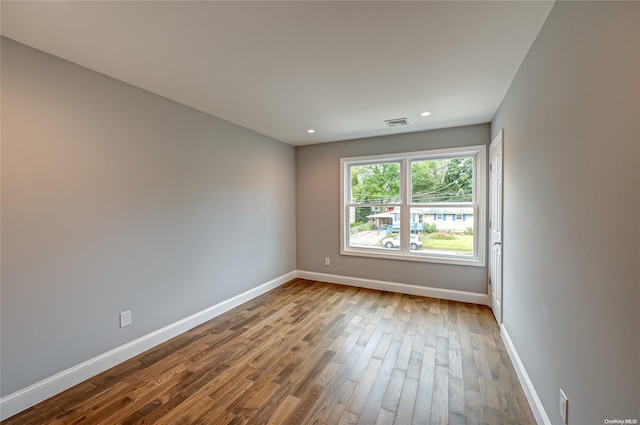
(34, 394)
(534, 401)
(403, 288)
(344, 192)
(424, 258)
(443, 153)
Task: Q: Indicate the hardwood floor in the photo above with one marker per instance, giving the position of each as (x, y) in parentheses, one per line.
(311, 353)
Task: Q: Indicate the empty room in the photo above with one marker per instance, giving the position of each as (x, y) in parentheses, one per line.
(320, 212)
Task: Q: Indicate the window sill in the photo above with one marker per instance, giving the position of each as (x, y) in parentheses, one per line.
(384, 253)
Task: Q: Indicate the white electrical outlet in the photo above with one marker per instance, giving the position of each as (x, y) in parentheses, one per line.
(327, 261)
(564, 407)
(125, 318)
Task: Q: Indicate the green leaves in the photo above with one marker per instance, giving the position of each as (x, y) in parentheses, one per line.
(375, 183)
(434, 180)
(442, 180)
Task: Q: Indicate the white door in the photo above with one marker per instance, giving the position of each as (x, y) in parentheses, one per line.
(495, 226)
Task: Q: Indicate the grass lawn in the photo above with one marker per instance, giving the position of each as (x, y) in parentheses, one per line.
(462, 243)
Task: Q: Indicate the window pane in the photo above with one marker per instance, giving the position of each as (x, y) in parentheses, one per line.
(442, 180)
(375, 183)
(374, 227)
(440, 236)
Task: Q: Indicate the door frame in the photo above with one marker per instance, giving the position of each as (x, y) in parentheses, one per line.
(496, 143)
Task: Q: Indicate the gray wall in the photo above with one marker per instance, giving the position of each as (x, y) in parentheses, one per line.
(572, 211)
(318, 211)
(116, 199)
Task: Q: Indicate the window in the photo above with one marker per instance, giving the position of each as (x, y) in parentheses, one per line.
(419, 206)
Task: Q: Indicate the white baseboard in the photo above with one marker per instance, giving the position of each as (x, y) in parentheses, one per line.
(403, 288)
(40, 391)
(534, 401)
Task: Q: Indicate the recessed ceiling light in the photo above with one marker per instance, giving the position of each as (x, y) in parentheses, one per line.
(311, 131)
(425, 114)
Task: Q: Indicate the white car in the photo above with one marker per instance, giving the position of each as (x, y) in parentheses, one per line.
(394, 242)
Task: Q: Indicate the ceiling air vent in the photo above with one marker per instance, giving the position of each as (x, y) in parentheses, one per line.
(397, 122)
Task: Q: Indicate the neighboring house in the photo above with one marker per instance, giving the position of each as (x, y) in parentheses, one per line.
(454, 219)
(380, 219)
(445, 219)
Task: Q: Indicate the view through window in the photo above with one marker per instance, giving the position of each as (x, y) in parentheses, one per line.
(422, 205)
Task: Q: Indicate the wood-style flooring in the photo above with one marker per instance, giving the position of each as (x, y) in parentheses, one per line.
(311, 353)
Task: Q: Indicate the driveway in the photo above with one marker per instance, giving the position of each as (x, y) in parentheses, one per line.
(367, 238)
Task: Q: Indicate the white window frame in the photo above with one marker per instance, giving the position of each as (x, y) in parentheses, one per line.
(479, 204)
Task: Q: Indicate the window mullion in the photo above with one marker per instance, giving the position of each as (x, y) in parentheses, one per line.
(405, 194)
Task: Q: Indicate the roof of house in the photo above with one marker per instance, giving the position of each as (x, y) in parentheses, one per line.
(443, 210)
(428, 210)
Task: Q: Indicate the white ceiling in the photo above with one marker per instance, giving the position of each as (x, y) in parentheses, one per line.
(280, 68)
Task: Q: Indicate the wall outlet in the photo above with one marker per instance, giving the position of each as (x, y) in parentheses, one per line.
(125, 318)
(327, 261)
(564, 407)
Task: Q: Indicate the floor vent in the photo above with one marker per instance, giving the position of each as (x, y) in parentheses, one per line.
(397, 122)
